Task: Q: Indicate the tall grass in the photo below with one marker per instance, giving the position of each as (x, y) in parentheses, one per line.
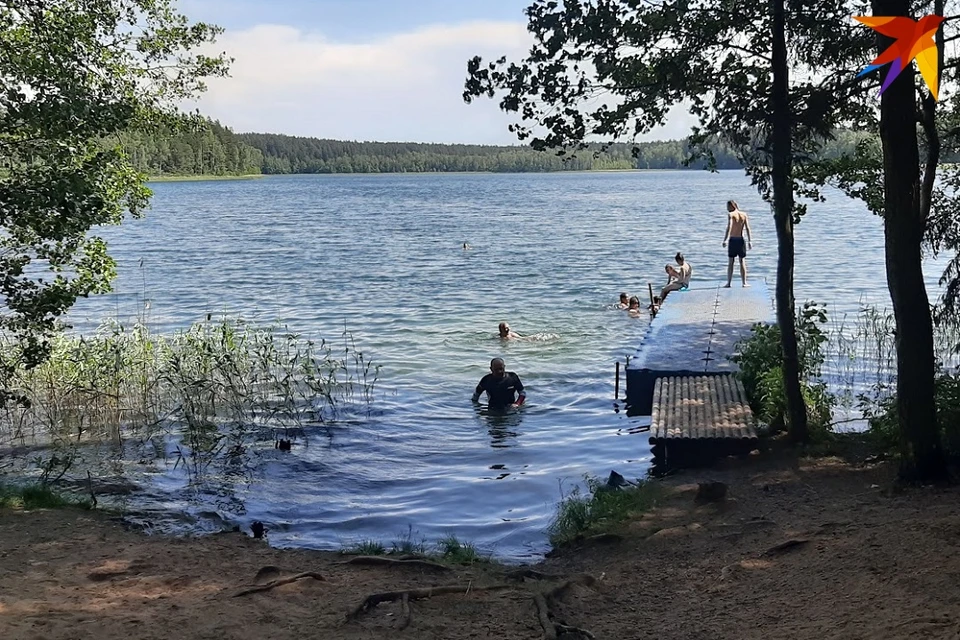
(601, 509)
(862, 361)
(38, 497)
(214, 387)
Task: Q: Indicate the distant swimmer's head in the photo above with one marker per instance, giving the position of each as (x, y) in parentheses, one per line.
(498, 367)
(634, 302)
(732, 205)
(623, 298)
(504, 330)
(679, 258)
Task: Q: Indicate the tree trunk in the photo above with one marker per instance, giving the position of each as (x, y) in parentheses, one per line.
(904, 223)
(782, 166)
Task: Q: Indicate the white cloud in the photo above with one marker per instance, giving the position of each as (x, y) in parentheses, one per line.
(404, 87)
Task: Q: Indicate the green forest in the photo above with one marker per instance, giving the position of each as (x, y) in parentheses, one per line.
(209, 150)
(216, 150)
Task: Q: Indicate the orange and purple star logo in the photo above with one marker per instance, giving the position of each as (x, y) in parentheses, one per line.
(914, 41)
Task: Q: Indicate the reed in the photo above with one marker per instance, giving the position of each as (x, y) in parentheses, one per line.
(213, 389)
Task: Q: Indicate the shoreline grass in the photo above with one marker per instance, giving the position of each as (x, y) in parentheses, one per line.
(606, 507)
(38, 496)
(449, 549)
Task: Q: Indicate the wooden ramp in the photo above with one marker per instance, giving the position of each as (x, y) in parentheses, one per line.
(699, 418)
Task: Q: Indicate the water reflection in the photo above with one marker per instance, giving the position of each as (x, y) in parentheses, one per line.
(502, 424)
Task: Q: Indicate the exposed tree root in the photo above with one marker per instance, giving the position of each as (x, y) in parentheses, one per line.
(567, 629)
(584, 579)
(543, 615)
(517, 575)
(407, 614)
(406, 562)
(783, 547)
(419, 594)
(279, 581)
(551, 629)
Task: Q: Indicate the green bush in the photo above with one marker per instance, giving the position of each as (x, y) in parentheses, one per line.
(760, 359)
(579, 515)
(38, 496)
(884, 430)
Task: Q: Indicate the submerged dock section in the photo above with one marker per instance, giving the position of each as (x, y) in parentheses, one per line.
(690, 340)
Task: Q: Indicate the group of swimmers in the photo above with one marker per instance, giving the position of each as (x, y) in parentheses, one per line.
(678, 277)
(504, 389)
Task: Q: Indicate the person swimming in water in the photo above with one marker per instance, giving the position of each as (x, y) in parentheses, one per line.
(624, 301)
(506, 333)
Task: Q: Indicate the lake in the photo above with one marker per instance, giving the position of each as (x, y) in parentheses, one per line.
(382, 256)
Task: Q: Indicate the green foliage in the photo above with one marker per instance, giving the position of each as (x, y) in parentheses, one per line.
(215, 386)
(760, 360)
(289, 154)
(578, 515)
(448, 549)
(206, 149)
(884, 428)
(599, 70)
(75, 73)
(37, 496)
(405, 544)
(365, 548)
(452, 550)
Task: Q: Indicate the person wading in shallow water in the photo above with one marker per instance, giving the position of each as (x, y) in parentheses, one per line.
(737, 223)
(503, 387)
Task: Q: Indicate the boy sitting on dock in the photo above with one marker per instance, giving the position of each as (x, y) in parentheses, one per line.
(678, 277)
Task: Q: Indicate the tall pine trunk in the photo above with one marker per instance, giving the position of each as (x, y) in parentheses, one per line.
(904, 224)
(782, 166)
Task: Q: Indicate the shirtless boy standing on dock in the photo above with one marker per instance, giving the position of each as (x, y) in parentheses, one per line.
(737, 223)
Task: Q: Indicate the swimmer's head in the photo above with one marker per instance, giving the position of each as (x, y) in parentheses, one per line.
(498, 367)
(504, 329)
(679, 258)
(634, 302)
(732, 205)
(623, 297)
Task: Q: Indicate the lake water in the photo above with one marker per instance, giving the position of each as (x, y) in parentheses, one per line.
(382, 255)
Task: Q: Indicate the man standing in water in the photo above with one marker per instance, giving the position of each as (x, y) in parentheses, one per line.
(502, 387)
(737, 223)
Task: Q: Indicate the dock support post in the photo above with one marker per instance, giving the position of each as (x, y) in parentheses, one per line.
(616, 385)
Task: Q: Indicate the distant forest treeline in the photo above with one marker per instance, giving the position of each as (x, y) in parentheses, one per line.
(288, 154)
(216, 150)
(213, 150)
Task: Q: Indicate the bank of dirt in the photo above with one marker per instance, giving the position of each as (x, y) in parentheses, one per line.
(866, 561)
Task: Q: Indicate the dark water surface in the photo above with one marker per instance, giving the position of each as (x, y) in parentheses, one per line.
(382, 255)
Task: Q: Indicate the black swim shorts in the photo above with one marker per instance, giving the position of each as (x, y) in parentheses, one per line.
(737, 248)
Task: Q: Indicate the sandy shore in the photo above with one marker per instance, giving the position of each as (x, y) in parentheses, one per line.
(866, 561)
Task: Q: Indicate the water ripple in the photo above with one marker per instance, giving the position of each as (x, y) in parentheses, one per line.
(383, 257)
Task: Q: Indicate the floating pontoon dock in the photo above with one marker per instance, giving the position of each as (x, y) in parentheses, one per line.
(688, 343)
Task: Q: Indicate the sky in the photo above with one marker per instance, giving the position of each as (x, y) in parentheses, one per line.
(387, 70)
